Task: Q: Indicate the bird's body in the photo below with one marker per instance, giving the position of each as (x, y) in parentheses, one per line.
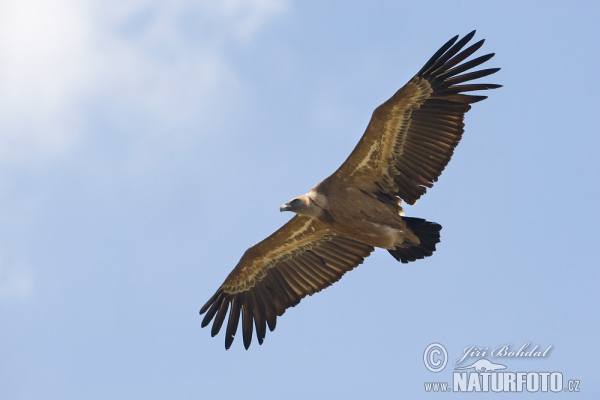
(406, 146)
(358, 215)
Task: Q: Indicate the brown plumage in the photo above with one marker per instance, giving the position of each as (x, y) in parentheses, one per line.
(408, 143)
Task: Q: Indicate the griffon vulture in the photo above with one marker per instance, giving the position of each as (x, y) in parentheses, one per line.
(340, 221)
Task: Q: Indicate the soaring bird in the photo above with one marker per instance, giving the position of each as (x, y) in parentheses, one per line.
(338, 223)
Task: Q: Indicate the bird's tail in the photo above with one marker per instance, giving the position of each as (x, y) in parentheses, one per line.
(427, 232)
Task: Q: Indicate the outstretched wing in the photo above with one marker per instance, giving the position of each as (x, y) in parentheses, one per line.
(301, 258)
(411, 137)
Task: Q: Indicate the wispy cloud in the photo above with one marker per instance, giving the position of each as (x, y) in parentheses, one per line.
(161, 57)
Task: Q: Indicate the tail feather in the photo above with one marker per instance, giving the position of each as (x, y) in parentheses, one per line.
(427, 232)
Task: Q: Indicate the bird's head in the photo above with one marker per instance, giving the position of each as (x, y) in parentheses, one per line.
(301, 205)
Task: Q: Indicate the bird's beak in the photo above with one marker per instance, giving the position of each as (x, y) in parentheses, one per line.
(285, 207)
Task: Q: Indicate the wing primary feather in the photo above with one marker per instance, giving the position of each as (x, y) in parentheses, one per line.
(264, 301)
(464, 67)
(442, 61)
(232, 323)
(471, 76)
(220, 317)
(259, 316)
(438, 53)
(209, 302)
(447, 105)
(465, 98)
(272, 322)
(266, 298)
(216, 303)
(467, 88)
(247, 323)
(456, 60)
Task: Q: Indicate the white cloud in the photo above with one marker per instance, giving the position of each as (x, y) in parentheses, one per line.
(160, 57)
(42, 71)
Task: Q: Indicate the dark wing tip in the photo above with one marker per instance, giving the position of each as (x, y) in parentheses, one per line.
(232, 323)
(476, 99)
(467, 38)
(437, 125)
(210, 301)
(448, 50)
(247, 324)
(491, 86)
(447, 62)
(253, 308)
(438, 54)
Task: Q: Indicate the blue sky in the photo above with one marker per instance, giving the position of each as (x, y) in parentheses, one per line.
(146, 144)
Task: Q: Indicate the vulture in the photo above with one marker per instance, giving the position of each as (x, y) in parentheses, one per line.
(339, 222)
